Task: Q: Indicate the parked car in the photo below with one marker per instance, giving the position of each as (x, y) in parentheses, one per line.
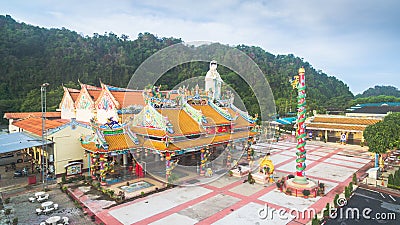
(11, 157)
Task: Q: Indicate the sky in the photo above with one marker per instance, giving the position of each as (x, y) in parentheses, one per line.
(356, 41)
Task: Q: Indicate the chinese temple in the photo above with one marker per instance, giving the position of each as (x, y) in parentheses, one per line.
(175, 130)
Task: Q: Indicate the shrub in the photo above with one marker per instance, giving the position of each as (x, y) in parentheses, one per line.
(327, 209)
(335, 203)
(7, 212)
(64, 188)
(288, 191)
(63, 179)
(7, 200)
(315, 221)
(350, 187)
(393, 186)
(306, 192)
(346, 192)
(15, 221)
(354, 178)
(142, 193)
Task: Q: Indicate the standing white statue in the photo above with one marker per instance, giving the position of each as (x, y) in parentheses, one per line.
(213, 81)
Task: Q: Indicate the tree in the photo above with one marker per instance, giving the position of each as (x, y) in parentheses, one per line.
(380, 90)
(335, 200)
(391, 179)
(384, 135)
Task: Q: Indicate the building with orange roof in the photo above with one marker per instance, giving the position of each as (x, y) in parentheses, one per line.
(63, 146)
(12, 116)
(332, 128)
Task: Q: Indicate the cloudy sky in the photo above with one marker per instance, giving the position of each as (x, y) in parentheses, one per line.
(356, 41)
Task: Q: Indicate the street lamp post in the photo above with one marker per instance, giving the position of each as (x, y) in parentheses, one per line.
(43, 100)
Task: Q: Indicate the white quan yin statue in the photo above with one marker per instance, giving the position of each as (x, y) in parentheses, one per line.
(213, 81)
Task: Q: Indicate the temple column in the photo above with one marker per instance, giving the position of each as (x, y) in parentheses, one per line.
(202, 162)
(326, 135)
(88, 155)
(156, 157)
(125, 159)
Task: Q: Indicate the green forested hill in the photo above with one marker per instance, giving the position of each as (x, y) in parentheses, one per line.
(30, 56)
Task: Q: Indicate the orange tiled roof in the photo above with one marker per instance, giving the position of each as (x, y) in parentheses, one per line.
(115, 142)
(128, 98)
(34, 124)
(182, 123)
(148, 131)
(213, 139)
(22, 115)
(344, 120)
(94, 94)
(240, 121)
(213, 117)
(74, 95)
(340, 127)
(159, 145)
(91, 87)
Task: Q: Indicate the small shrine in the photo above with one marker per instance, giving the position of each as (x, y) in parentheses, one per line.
(108, 143)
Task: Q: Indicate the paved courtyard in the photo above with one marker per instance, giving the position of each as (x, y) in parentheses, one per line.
(229, 200)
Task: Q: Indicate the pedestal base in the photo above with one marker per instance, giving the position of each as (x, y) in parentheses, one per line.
(297, 187)
(261, 178)
(244, 170)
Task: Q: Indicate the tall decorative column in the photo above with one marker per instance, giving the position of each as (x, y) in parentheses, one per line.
(300, 177)
(299, 185)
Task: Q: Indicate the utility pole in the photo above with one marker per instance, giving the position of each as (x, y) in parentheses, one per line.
(44, 139)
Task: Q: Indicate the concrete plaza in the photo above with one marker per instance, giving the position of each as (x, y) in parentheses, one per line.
(229, 200)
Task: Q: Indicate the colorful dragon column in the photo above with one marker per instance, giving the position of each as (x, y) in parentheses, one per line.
(300, 177)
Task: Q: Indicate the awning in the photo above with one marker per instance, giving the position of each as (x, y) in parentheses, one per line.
(17, 141)
(72, 163)
(286, 121)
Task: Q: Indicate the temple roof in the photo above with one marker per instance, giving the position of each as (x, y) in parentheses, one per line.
(213, 117)
(240, 121)
(74, 95)
(196, 143)
(94, 94)
(337, 127)
(22, 115)
(115, 142)
(34, 124)
(182, 123)
(345, 120)
(127, 98)
(340, 123)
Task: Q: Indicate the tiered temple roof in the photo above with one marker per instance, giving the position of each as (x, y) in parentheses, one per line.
(173, 128)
